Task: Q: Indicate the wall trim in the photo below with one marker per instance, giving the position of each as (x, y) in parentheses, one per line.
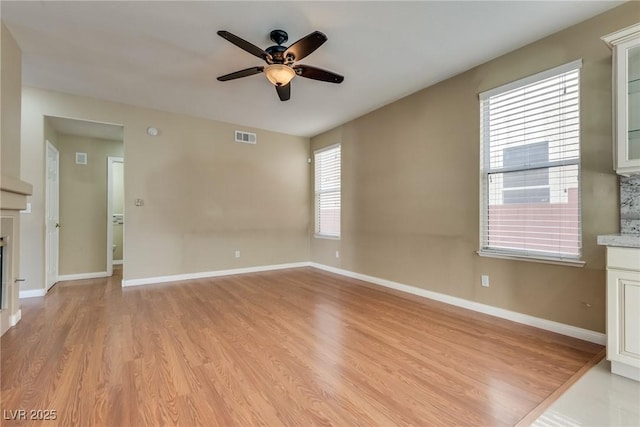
(206, 274)
(117, 262)
(15, 318)
(32, 293)
(525, 319)
(95, 275)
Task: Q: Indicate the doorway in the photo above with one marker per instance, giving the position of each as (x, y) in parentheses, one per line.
(115, 213)
(52, 217)
(79, 232)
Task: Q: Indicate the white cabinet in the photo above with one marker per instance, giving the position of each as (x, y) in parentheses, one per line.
(623, 311)
(626, 98)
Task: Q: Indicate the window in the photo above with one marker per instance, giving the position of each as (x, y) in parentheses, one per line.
(327, 191)
(526, 186)
(530, 158)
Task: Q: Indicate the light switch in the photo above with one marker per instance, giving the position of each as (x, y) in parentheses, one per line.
(139, 202)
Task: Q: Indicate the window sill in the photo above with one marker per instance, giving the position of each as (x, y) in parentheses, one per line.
(322, 236)
(543, 260)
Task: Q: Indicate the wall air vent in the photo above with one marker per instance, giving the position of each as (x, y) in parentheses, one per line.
(81, 158)
(246, 137)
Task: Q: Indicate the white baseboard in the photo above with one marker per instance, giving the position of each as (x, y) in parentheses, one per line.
(15, 318)
(548, 325)
(117, 262)
(81, 276)
(206, 274)
(625, 370)
(32, 293)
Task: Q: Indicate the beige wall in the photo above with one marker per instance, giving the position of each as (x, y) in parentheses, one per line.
(50, 134)
(83, 203)
(117, 205)
(410, 186)
(323, 250)
(10, 101)
(205, 196)
(118, 240)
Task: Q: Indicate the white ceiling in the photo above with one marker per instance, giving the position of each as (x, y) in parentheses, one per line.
(166, 55)
(87, 129)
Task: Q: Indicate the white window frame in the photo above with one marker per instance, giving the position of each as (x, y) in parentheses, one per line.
(505, 253)
(316, 192)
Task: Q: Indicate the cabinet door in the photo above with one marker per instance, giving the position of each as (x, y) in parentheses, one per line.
(628, 105)
(623, 317)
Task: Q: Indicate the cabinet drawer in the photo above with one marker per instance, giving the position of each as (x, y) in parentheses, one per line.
(623, 258)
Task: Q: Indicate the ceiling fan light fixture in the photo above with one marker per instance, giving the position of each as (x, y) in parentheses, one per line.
(279, 74)
(280, 68)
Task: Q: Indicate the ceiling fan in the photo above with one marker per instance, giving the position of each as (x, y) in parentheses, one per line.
(280, 68)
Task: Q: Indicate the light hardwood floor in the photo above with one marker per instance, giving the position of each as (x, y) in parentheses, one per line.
(298, 347)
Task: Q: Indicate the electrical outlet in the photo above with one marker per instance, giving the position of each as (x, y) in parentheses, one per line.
(237, 254)
(485, 280)
(337, 254)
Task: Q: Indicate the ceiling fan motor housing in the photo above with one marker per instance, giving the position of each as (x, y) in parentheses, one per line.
(279, 36)
(277, 54)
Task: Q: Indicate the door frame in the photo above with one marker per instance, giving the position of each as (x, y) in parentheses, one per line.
(49, 283)
(110, 162)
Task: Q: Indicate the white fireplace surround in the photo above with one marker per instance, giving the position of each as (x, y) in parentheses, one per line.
(13, 199)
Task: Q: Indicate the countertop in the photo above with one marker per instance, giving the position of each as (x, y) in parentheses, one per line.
(622, 240)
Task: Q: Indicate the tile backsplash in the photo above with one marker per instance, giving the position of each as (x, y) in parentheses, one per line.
(630, 204)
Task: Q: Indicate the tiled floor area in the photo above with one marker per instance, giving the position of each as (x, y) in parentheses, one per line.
(599, 398)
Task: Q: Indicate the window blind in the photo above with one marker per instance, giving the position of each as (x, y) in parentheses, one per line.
(327, 191)
(530, 145)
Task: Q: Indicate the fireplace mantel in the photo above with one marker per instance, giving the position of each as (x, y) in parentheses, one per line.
(13, 193)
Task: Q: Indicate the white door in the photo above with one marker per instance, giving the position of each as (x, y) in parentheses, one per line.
(52, 225)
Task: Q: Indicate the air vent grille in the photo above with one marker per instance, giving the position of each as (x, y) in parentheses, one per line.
(81, 158)
(246, 137)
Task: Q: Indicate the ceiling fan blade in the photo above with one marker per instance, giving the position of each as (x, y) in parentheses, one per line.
(244, 45)
(242, 73)
(284, 92)
(305, 45)
(318, 74)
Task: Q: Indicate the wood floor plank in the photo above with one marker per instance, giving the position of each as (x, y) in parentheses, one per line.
(291, 347)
